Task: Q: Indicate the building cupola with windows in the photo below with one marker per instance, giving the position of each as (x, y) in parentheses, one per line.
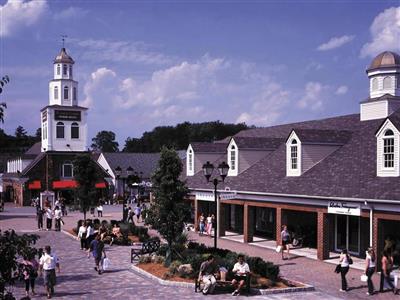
(384, 79)
(64, 126)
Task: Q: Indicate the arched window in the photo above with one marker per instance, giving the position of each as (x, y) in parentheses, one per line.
(374, 84)
(70, 71)
(387, 82)
(74, 93)
(65, 93)
(388, 149)
(60, 130)
(293, 155)
(190, 160)
(58, 69)
(74, 130)
(233, 158)
(55, 92)
(67, 170)
(65, 70)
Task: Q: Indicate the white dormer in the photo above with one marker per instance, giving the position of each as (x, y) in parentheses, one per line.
(189, 161)
(293, 155)
(233, 158)
(387, 143)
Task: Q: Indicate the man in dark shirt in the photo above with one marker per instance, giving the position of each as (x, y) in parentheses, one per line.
(97, 249)
(208, 271)
(39, 216)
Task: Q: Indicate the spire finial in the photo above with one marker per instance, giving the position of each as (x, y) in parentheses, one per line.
(63, 37)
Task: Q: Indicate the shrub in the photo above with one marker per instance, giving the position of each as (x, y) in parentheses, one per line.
(144, 259)
(157, 259)
(173, 267)
(162, 251)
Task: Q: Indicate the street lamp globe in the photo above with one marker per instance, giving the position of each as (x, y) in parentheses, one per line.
(223, 169)
(208, 169)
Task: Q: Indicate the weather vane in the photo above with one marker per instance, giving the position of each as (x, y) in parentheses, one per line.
(63, 37)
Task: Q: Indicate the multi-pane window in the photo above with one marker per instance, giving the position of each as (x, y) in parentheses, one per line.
(388, 149)
(55, 92)
(67, 170)
(65, 93)
(74, 93)
(58, 69)
(60, 130)
(65, 70)
(233, 158)
(190, 160)
(74, 131)
(293, 155)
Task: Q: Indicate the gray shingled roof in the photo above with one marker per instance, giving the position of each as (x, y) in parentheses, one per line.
(349, 172)
(36, 149)
(140, 162)
(258, 142)
(318, 136)
(199, 147)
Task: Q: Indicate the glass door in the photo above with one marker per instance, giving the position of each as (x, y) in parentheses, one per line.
(341, 232)
(354, 234)
(347, 235)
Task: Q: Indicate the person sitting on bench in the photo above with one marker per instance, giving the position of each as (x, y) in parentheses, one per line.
(208, 272)
(241, 270)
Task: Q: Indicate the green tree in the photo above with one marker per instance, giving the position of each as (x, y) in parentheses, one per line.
(13, 246)
(105, 142)
(3, 105)
(38, 134)
(169, 209)
(86, 175)
(20, 132)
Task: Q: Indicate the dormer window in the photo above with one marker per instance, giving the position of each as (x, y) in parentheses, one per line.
(293, 155)
(190, 161)
(233, 158)
(388, 149)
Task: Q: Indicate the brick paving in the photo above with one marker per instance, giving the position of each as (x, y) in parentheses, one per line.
(78, 280)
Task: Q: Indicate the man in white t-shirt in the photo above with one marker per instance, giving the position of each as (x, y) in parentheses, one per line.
(57, 217)
(241, 270)
(49, 218)
(48, 264)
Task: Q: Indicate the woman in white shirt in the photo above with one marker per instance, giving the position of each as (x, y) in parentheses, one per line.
(57, 217)
(89, 234)
(100, 211)
(82, 235)
(241, 270)
(344, 268)
(370, 267)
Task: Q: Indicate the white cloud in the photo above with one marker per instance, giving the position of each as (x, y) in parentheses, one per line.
(16, 14)
(335, 42)
(96, 86)
(70, 12)
(341, 90)
(385, 33)
(120, 51)
(312, 98)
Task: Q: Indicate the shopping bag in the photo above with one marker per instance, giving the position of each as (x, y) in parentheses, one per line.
(106, 263)
(364, 278)
(278, 249)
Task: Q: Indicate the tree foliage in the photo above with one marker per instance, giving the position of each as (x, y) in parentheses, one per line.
(169, 209)
(3, 105)
(179, 136)
(86, 175)
(13, 246)
(105, 142)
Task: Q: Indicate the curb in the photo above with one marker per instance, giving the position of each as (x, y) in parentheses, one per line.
(254, 291)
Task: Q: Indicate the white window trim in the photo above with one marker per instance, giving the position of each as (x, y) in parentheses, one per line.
(189, 171)
(381, 171)
(235, 170)
(289, 171)
(72, 169)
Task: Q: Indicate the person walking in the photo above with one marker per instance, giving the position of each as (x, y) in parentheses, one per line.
(82, 235)
(202, 224)
(370, 267)
(100, 210)
(138, 211)
(209, 224)
(131, 214)
(39, 216)
(97, 250)
(344, 261)
(387, 263)
(49, 218)
(89, 234)
(63, 207)
(30, 268)
(208, 271)
(48, 264)
(57, 218)
(285, 238)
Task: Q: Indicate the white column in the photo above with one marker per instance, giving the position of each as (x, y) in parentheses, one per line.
(371, 227)
(49, 130)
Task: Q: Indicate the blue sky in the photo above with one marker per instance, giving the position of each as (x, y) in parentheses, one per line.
(141, 64)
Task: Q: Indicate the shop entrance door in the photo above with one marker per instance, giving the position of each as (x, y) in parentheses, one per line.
(347, 235)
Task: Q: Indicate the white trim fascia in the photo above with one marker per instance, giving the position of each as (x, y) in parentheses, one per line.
(110, 170)
(384, 125)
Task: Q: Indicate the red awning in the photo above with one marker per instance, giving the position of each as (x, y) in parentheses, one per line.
(65, 184)
(34, 185)
(101, 185)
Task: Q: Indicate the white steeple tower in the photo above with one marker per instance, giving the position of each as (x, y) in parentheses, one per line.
(64, 123)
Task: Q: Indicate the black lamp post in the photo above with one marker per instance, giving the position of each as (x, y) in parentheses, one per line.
(208, 169)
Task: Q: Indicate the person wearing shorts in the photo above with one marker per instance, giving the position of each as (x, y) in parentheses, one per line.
(48, 264)
(285, 237)
(241, 272)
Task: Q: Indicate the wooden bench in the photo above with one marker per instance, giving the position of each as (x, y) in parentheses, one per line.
(145, 248)
(223, 284)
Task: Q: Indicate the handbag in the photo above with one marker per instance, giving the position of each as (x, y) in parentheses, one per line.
(106, 263)
(364, 278)
(338, 268)
(278, 249)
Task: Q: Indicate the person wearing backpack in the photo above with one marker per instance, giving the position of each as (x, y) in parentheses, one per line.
(345, 261)
(30, 268)
(48, 263)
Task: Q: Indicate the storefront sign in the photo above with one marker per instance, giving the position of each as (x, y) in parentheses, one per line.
(206, 196)
(67, 115)
(344, 208)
